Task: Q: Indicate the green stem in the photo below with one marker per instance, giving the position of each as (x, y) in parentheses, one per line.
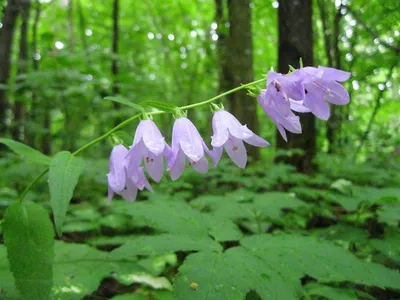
(126, 122)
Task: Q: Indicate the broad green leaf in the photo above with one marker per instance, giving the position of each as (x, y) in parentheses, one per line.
(343, 232)
(186, 220)
(389, 213)
(159, 244)
(79, 270)
(125, 101)
(389, 246)
(319, 259)
(165, 106)
(63, 177)
(334, 293)
(26, 151)
(231, 275)
(29, 238)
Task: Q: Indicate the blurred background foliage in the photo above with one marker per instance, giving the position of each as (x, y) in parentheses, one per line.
(59, 59)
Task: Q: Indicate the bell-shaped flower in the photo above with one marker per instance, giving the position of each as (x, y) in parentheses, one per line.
(186, 142)
(275, 106)
(321, 85)
(148, 145)
(119, 181)
(229, 134)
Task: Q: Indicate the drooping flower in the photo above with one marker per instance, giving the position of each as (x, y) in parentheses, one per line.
(119, 181)
(321, 85)
(229, 134)
(186, 142)
(148, 145)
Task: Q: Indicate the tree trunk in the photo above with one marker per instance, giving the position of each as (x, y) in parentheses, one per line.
(240, 66)
(114, 64)
(335, 121)
(19, 126)
(6, 40)
(295, 42)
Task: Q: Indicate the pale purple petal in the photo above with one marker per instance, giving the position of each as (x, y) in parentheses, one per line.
(298, 106)
(110, 194)
(236, 151)
(130, 191)
(201, 165)
(186, 135)
(336, 93)
(257, 141)
(334, 74)
(220, 137)
(116, 177)
(318, 106)
(154, 166)
(135, 156)
(178, 165)
(215, 155)
(282, 131)
(148, 131)
(227, 120)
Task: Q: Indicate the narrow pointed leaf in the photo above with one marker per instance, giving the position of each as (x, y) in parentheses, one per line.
(125, 101)
(63, 177)
(26, 151)
(165, 106)
(29, 238)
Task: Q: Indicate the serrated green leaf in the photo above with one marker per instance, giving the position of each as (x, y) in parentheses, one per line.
(29, 238)
(319, 259)
(125, 101)
(64, 173)
(164, 243)
(165, 106)
(187, 221)
(26, 151)
(332, 293)
(231, 275)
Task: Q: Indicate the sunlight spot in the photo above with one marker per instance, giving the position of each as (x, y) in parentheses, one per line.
(36, 56)
(193, 33)
(171, 37)
(275, 4)
(1, 25)
(214, 37)
(349, 57)
(152, 76)
(388, 84)
(183, 55)
(390, 40)
(159, 36)
(251, 4)
(227, 24)
(136, 27)
(194, 23)
(396, 33)
(59, 45)
(184, 65)
(183, 49)
(398, 91)
(355, 84)
(189, 46)
(70, 289)
(89, 77)
(381, 86)
(349, 33)
(88, 32)
(214, 25)
(150, 35)
(376, 41)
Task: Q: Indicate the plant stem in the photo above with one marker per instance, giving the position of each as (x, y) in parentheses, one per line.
(127, 121)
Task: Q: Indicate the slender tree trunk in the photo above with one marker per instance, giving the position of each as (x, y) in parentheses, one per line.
(19, 127)
(295, 42)
(335, 121)
(115, 57)
(240, 65)
(6, 41)
(35, 112)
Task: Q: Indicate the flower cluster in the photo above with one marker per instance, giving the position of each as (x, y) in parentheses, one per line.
(305, 90)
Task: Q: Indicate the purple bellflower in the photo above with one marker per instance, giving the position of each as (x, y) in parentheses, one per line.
(229, 134)
(120, 181)
(321, 85)
(148, 145)
(186, 142)
(284, 93)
